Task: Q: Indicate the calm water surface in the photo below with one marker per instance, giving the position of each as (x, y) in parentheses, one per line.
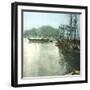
(46, 59)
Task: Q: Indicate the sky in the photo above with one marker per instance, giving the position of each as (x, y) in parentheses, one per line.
(38, 19)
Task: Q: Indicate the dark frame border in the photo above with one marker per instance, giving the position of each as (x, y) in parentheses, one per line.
(14, 43)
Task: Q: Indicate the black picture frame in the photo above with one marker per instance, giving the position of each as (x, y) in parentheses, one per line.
(14, 43)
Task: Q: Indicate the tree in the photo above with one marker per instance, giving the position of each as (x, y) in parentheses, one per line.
(75, 27)
(61, 32)
(69, 31)
(42, 32)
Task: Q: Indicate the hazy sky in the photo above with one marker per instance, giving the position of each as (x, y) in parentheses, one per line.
(37, 19)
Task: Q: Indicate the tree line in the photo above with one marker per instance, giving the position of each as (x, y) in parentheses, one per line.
(69, 32)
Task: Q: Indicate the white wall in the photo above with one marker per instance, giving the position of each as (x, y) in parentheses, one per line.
(5, 46)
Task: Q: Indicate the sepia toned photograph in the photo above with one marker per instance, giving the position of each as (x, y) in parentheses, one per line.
(51, 44)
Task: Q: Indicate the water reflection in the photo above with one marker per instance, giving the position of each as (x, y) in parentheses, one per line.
(46, 59)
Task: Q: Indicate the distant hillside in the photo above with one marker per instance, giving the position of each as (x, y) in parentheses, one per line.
(44, 32)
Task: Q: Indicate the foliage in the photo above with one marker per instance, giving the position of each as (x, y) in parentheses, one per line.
(68, 32)
(44, 32)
